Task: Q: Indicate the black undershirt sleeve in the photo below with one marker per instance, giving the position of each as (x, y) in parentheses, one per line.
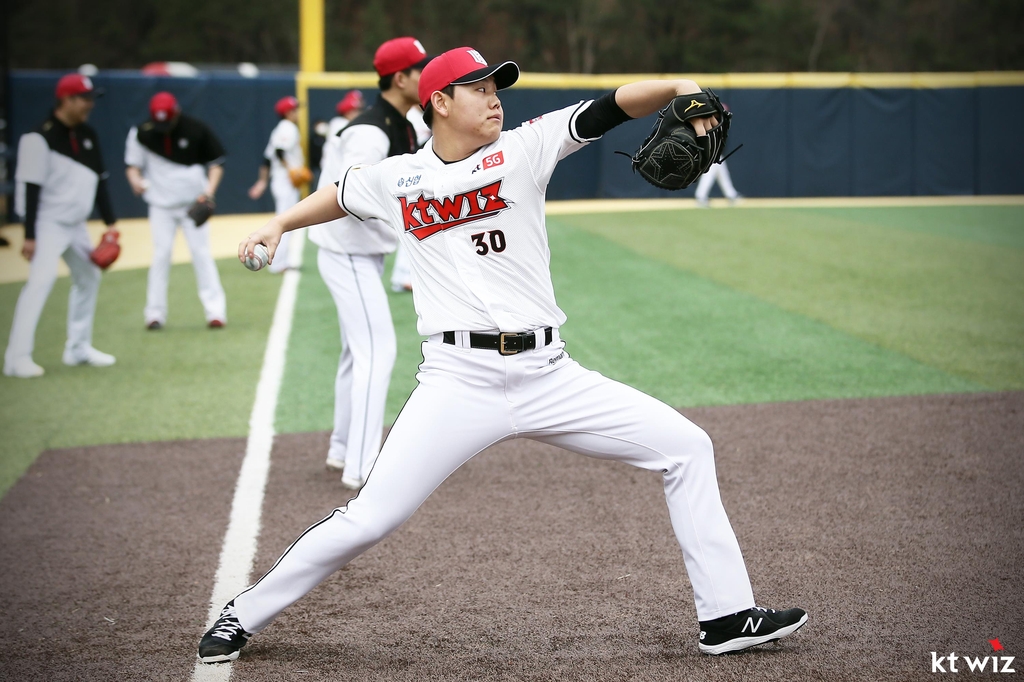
(279, 153)
(265, 162)
(31, 209)
(106, 209)
(600, 117)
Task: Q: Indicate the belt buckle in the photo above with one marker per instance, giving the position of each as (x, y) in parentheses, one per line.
(501, 344)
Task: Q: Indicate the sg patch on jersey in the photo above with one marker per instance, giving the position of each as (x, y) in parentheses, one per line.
(423, 217)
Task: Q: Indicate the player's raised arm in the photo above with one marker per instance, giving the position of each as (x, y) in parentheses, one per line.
(319, 207)
(646, 97)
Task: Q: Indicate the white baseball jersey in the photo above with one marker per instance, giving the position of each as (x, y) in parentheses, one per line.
(474, 229)
(67, 172)
(285, 137)
(171, 182)
(335, 126)
(358, 144)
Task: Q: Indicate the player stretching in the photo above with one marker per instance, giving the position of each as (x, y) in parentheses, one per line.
(470, 208)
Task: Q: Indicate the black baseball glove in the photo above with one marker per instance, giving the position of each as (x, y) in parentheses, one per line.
(673, 156)
(201, 210)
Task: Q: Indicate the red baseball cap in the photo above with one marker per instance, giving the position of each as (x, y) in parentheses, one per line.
(163, 107)
(352, 100)
(462, 66)
(286, 104)
(75, 84)
(399, 54)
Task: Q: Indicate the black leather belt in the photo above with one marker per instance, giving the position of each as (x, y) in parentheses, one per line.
(505, 343)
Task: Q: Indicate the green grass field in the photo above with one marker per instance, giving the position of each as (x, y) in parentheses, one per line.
(695, 307)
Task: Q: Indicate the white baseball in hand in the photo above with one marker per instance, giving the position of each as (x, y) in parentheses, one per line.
(259, 259)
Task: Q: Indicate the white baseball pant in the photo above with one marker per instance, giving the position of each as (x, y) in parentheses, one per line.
(719, 172)
(53, 242)
(285, 196)
(469, 399)
(367, 357)
(163, 223)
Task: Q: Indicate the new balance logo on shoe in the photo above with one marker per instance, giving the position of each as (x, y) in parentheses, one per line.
(750, 625)
(748, 628)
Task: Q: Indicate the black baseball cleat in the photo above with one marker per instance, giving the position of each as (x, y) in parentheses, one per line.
(748, 628)
(222, 642)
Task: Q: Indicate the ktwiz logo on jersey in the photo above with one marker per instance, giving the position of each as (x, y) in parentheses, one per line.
(424, 217)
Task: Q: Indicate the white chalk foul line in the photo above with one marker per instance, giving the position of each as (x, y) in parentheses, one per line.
(240, 540)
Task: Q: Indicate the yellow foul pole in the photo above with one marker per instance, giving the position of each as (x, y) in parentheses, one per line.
(311, 59)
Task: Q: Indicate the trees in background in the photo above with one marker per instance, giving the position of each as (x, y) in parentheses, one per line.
(587, 36)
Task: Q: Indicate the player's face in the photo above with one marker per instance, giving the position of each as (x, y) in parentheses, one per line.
(409, 85)
(476, 110)
(78, 108)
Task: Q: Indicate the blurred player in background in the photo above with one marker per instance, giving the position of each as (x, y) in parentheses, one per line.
(350, 106)
(282, 156)
(401, 271)
(60, 177)
(171, 161)
(719, 172)
(351, 262)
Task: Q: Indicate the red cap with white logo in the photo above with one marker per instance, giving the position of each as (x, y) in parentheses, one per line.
(399, 54)
(285, 105)
(76, 85)
(463, 66)
(352, 100)
(163, 107)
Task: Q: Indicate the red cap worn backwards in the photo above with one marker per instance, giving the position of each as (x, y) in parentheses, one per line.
(399, 54)
(76, 84)
(463, 66)
(353, 100)
(163, 107)
(285, 105)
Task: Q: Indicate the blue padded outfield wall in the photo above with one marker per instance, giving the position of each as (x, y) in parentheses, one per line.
(797, 141)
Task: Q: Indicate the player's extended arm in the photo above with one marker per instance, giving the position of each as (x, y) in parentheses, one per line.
(214, 176)
(260, 186)
(642, 98)
(319, 207)
(135, 179)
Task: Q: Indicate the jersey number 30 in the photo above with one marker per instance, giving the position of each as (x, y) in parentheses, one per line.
(496, 239)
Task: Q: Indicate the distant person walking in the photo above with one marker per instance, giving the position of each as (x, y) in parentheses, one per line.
(718, 172)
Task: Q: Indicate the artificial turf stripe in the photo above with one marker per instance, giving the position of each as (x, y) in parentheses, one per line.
(942, 286)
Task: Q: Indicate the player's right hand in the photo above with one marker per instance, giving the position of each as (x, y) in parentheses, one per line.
(269, 235)
(28, 249)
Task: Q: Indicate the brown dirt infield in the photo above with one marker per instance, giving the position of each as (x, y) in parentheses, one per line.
(897, 523)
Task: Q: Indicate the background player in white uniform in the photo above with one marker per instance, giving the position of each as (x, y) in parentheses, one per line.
(351, 262)
(173, 160)
(60, 177)
(348, 107)
(283, 153)
(401, 270)
(719, 172)
(470, 207)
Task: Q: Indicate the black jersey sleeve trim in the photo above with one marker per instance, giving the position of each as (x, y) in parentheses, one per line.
(341, 194)
(572, 119)
(32, 191)
(600, 117)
